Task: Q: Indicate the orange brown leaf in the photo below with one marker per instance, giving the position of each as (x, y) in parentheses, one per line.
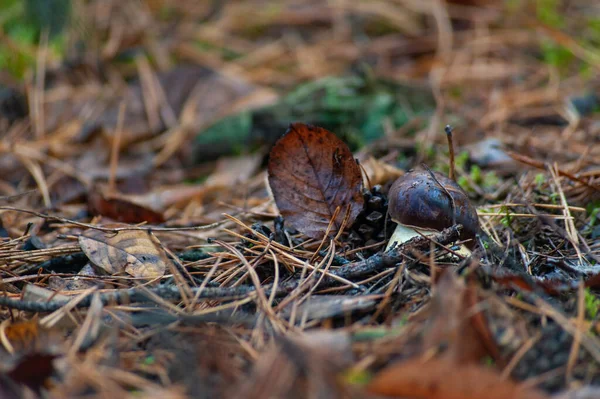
(444, 379)
(121, 209)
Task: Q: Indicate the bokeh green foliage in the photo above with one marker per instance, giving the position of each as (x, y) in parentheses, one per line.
(355, 107)
(23, 22)
(552, 13)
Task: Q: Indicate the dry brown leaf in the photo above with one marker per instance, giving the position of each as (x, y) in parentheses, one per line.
(121, 208)
(135, 252)
(232, 171)
(311, 173)
(444, 379)
(27, 352)
(455, 321)
(380, 172)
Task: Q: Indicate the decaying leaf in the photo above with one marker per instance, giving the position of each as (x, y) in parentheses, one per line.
(311, 173)
(33, 369)
(27, 355)
(134, 252)
(293, 370)
(444, 379)
(121, 209)
(453, 323)
(379, 172)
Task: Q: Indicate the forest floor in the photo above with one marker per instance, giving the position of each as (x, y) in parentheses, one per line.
(142, 248)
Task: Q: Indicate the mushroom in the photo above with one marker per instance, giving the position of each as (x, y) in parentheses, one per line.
(421, 204)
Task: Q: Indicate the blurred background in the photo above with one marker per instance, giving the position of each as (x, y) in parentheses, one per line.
(181, 86)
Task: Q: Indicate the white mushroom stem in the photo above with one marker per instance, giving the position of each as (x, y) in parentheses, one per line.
(403, 233)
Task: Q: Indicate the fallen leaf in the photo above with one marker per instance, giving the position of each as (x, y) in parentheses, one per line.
(30, 352)
(33, 370)
(292, 369)
(456, 322)
(22, 335)
(311, 173)
(135, 252)
(380, 172)
(232, 171)
(444, 379)
(121, 209)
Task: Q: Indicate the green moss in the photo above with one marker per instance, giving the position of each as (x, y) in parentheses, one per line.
(592, 304)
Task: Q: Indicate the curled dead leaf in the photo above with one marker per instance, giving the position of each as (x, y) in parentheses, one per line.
(135, 252)
(379, 172)
(311, 173)
(444, 379)
(122, 209)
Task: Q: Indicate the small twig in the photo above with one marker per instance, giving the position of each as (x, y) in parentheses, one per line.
(113, 229)
(452, 173)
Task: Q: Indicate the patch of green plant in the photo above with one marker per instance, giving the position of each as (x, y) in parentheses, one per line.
(149, 360)
(592, 303)
(587, 72)
(592, 208)
(548, 12)
(380, 27)
(513, 5)
(371, 334)
(464, 183)
(475, 174)
(540, 178)
(593, 217)
(490, 180)
(461, 159)
(429, 151)
(227, 53)
(485, 180)
(519, 296)
(507, 219)
(23, 23)
(488, 361)
(356, 108)
(357, 377)
(556, 55)
(456, 92)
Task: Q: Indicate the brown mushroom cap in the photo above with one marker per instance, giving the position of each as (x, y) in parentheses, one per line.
(417, 200)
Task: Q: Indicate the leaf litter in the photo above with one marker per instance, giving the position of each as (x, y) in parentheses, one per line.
(161, 234)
